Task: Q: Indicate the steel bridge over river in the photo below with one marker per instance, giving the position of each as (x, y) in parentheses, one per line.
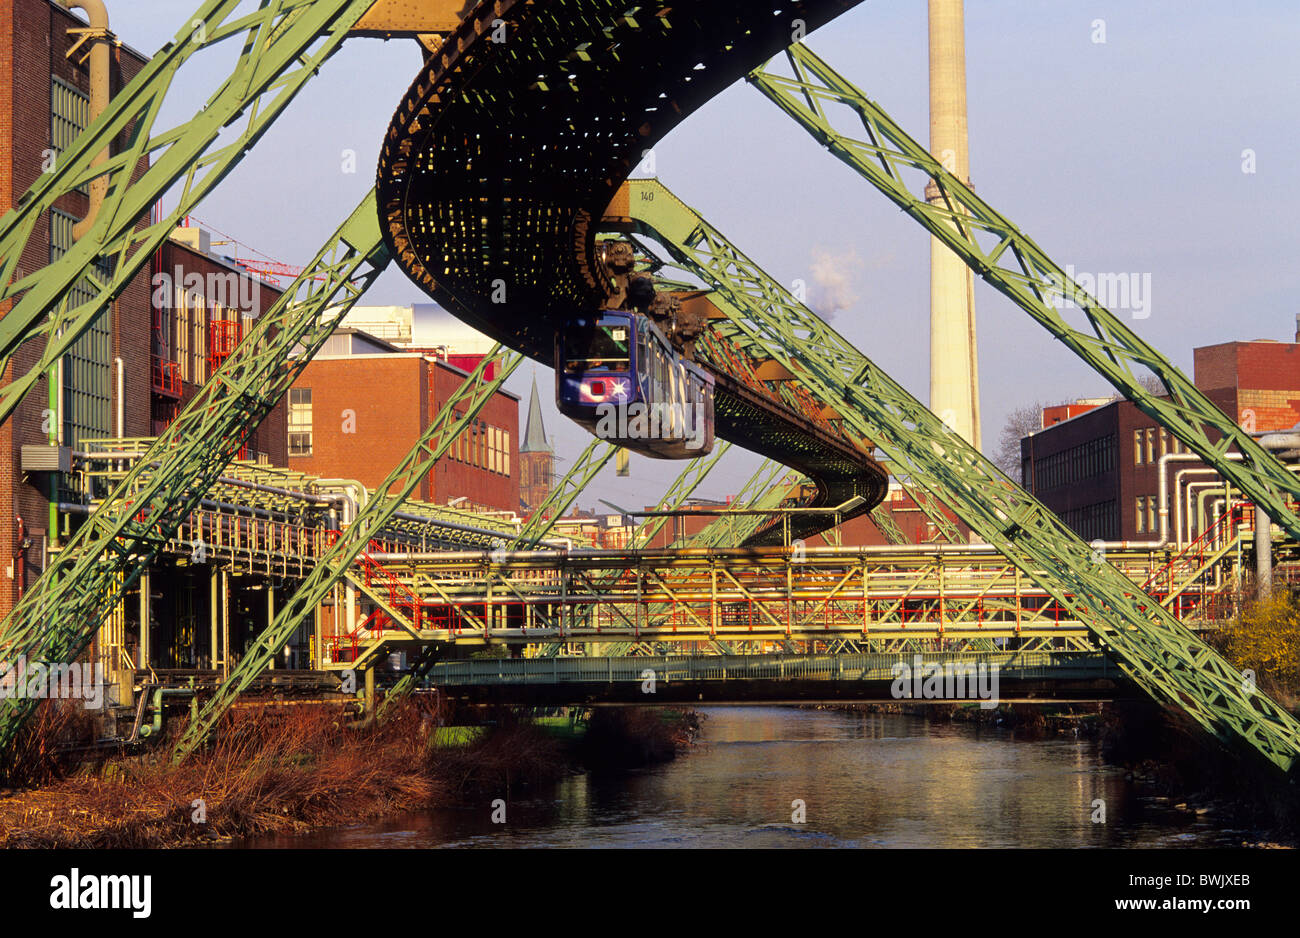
(508, 157)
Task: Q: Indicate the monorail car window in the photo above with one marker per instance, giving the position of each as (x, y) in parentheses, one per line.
(597, 348)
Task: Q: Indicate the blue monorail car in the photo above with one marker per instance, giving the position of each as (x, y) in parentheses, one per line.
(620, 378)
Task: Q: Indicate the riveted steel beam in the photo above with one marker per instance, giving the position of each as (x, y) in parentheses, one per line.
(283, 43)
(1155, 650)
(998, 251)
(461, 407)
(57, 617)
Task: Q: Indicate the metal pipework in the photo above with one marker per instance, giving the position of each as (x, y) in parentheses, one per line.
(101, 40)
(1283, 445)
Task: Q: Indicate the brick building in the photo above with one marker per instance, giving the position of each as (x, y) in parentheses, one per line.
(1100, 469)
(203, 305)
(44, 104)
(360, 405)
(146, 355)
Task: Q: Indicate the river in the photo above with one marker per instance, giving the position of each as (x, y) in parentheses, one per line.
(864, 780)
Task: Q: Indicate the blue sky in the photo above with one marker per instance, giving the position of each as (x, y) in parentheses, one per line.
(1115, 157)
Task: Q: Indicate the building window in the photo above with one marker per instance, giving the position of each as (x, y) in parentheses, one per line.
(1164, 442)
(1151, 444)
(1087, 460)
(505, 452)
(1140, 515)
(1151, 513)
(1137, 447)
(300, 421)
(69, 115)
(1093, 522)
(87, 379)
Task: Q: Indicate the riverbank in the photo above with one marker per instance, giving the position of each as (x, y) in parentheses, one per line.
(780, 777)
(277, 772)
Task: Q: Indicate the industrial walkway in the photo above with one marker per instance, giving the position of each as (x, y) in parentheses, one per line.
(993, 677)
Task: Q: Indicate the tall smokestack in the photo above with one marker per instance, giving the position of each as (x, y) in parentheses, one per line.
(954, 367)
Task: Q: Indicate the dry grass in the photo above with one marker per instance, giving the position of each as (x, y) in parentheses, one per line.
(272, 771)
(268, 771)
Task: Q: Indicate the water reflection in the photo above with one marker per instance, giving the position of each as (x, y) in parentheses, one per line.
(865, 780)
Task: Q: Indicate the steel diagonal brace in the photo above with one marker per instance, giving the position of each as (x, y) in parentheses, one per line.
(1019, 269)
(683, 487)
(593, 459)
(57, 617)
(1162, 656)
(286, 42)
(333, 565)
(377, 597)
(675, 497)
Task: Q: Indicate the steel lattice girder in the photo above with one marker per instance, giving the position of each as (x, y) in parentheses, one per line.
(594, 458)
(283, 44)
(814, 593)
(983, 238)
(333, 566)
(884, 522)
(1165, 659)
(674, 498)
(681, 489)
(933, 510)
(58, 616)
(763, 490)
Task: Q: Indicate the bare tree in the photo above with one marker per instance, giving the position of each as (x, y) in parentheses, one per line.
(1020, 423)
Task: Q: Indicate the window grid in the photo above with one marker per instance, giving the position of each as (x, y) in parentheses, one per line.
(300, 422)
(87, 370)
(1085, 461)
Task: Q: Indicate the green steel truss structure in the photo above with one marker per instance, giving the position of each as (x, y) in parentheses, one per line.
(884, 522)
(932, 510)
(997, 251)
(768, 487)
(284, 43)
(565, 492)
(281, 45)
(1155, 650)
(58, 616)
(459, 411)
(683, 487)
(674, 498)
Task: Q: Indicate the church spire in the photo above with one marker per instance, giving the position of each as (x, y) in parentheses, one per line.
(534, 430)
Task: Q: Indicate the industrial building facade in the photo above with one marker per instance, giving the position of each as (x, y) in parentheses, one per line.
(103, 385)
(150, 350)
(1099, 468)
(202, 307)
(359, 406)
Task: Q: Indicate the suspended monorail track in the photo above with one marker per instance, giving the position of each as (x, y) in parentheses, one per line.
(500, 162)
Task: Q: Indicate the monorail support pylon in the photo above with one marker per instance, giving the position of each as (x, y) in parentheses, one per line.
(282, 45)
(57, 617)
(1013, 264)
(1155, 650)
(333, 565)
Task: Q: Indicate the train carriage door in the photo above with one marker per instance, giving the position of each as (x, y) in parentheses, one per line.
(643, 360)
